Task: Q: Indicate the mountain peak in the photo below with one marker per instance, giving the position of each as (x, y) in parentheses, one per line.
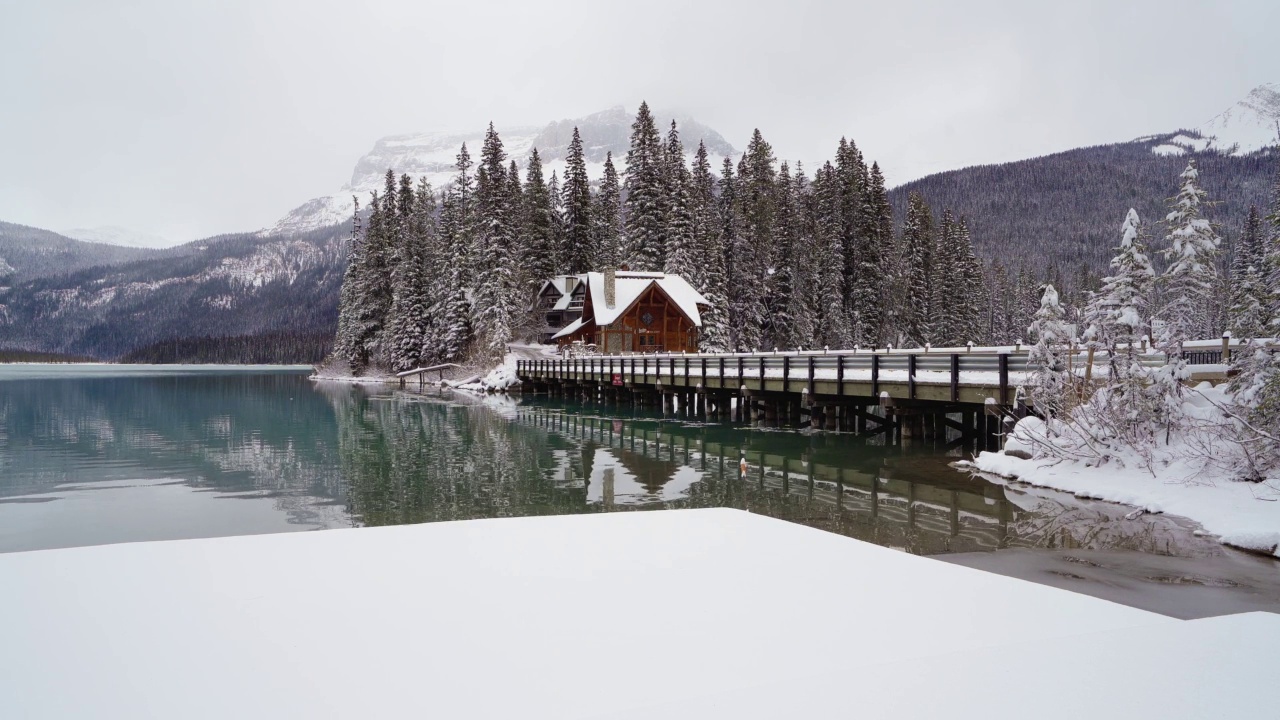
(1248, 126)
(432, 155)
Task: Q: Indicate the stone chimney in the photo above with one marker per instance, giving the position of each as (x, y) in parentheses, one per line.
(610, 287)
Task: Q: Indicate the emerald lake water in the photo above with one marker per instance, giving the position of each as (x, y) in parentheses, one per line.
(105, 454)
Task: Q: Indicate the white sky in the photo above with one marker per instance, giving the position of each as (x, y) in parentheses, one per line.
(186, 119)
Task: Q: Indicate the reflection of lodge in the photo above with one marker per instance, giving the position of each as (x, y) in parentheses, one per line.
(884, 504)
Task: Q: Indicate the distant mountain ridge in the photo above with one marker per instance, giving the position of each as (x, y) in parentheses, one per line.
(1062, 209)
(27, 253)
(433, 155)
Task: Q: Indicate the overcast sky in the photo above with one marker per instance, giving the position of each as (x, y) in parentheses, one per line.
(189, 118)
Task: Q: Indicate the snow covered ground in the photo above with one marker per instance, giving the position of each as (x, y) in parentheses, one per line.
(1190, 475)
(1242, 514)
(698, 614)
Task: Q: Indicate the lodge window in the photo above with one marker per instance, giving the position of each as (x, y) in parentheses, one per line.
(554, 319)
(648, 340)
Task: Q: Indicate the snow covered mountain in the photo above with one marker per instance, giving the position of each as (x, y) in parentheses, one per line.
(433, 154)
(1249, 126)
(114, 235)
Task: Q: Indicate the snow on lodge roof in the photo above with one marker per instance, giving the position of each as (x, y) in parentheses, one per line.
(628, 287)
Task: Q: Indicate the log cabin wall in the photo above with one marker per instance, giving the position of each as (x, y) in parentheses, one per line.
(653, 324)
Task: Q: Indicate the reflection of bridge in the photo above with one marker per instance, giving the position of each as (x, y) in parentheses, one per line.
(881, 501)
(922, 392)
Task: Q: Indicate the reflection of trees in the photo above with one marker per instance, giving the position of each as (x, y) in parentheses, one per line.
(409, 459)
(263, 433)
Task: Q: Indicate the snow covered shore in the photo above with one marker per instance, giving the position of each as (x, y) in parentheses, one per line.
(1242, 514)
(718, 612)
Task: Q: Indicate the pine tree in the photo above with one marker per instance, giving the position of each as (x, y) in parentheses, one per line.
(407, 320)
(453, 305)
(780, 321)
(1048, 356)
(496, 293)
(606, 213)
(831, 326)
(1247, 314)
(874, 240)
(1191, 276)
(971, 294)
(431, 265)
(740, 337)
(645, 209)
(918, 249)
(540, 257)
(557, 222)
(1119, 311)
(755, 206)
(345, 347)
(708, 274)
(578, 247)
(852, 173)
(681, 253)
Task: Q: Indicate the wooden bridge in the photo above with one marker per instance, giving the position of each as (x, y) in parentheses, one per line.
(917, 393)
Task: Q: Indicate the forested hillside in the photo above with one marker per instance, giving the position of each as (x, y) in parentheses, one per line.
(235, 285)
(1052, 213)
(27, 253)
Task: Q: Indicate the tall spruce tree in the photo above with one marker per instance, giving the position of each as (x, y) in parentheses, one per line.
(1248, 291)
(497, 294)
(852, 173)
(831, 326)
(1119, 311)
(918, 249)
(781, 324)
(407, 321)
(708, 274)
(1191, 276)
(540, 257)
(874, 240)
(579, 251)
(345, 345)
(453, 305)
(606, 214)
(678, 237)
(645, 207)
(756, 203)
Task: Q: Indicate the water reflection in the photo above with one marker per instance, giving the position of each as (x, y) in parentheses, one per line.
(336, 455)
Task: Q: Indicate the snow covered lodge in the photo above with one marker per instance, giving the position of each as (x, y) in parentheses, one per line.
(621, 311)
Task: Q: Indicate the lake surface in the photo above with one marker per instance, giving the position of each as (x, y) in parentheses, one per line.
(102, 454)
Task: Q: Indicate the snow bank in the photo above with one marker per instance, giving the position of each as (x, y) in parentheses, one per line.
(563, 614)
(499, 379)
(1241, 514)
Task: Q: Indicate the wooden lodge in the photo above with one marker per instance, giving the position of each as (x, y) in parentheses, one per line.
(622, 311)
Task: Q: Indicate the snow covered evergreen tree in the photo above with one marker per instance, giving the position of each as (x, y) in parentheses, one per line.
(708, 274)
(1051, 380)
(410, 304)
(875, 242)
(606, 213)
(755, 201)
(1191, 276)
(781, 327)
(454, 304)
(851, 172)
(645, 210)
(681, 253)
(1120, 309)
(540, 257)
(579, 251)
(345, 346)
(1248, 291)
(831, 326)
(497, 294)
(918, 249)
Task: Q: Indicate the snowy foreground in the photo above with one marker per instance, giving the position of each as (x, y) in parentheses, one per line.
(674, 614)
